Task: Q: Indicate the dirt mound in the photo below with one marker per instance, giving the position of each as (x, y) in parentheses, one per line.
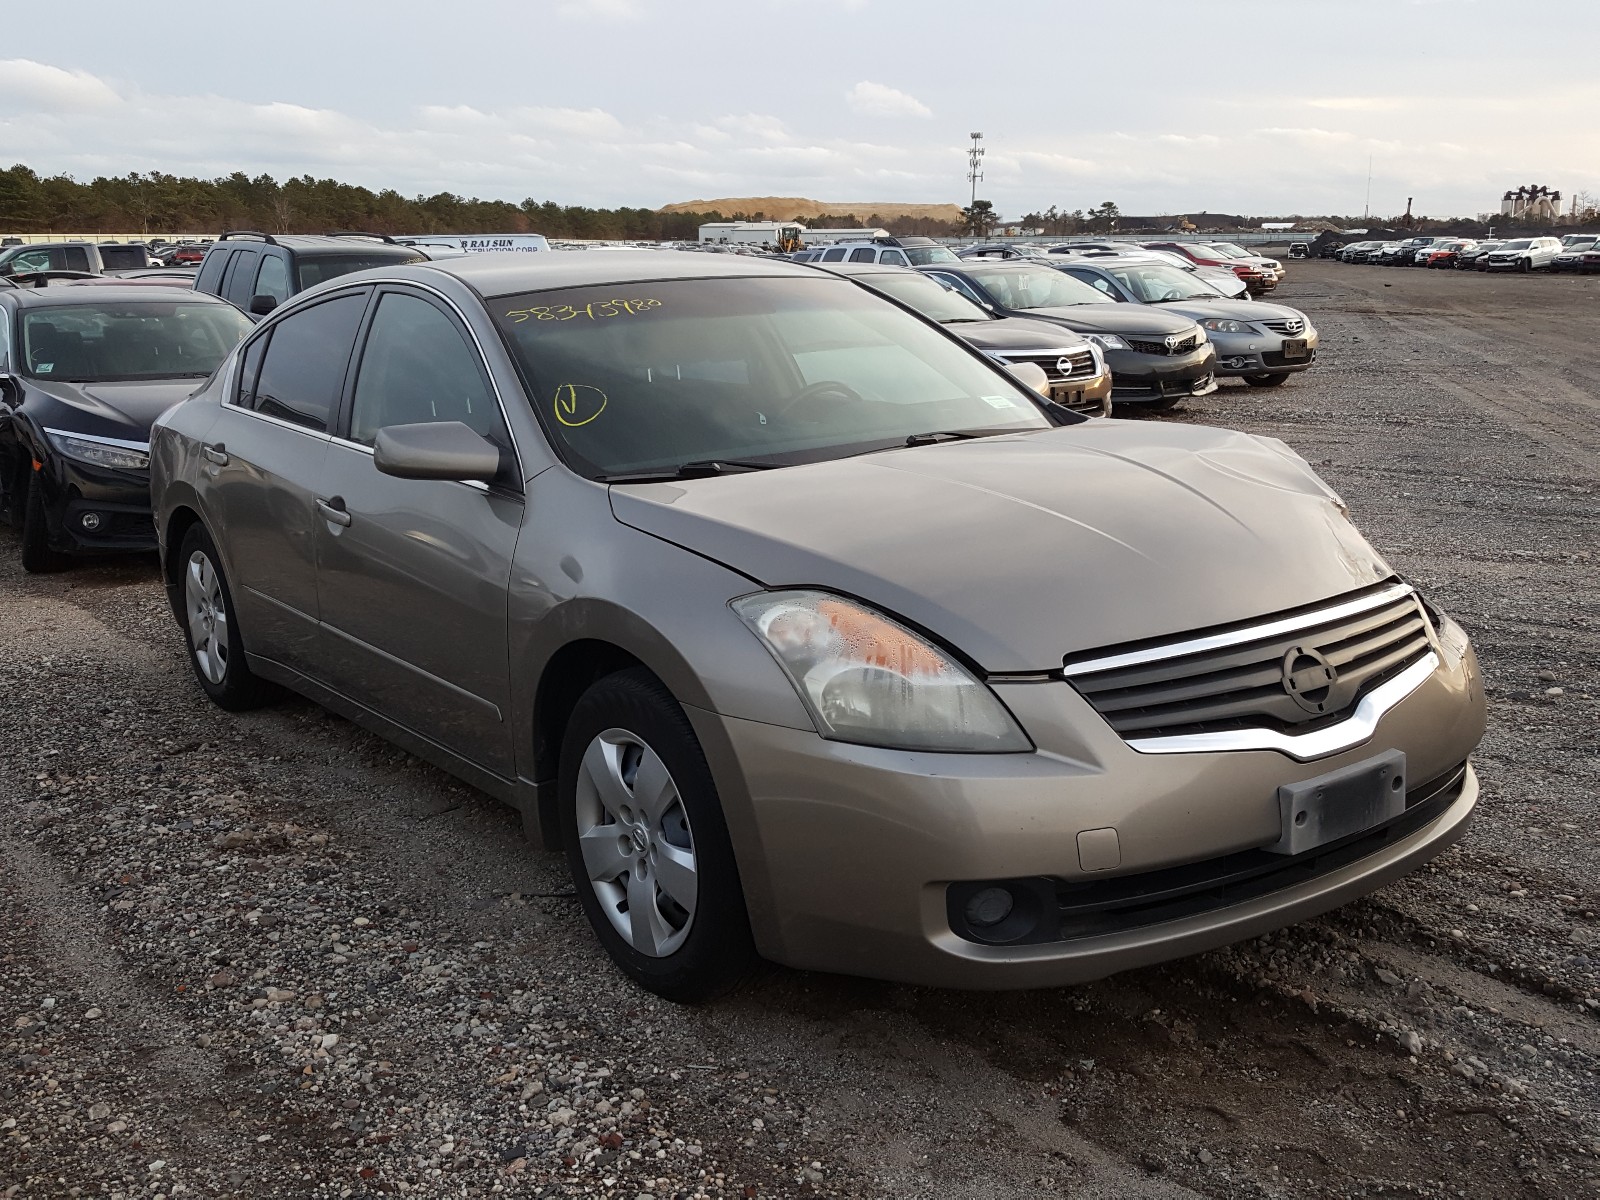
(791, 208)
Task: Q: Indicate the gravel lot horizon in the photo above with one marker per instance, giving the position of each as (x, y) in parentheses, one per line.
(269, 955)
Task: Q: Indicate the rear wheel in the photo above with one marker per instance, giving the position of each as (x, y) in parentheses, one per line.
(647, 844)
(211, 629)
(37, 557)
(1275, 379)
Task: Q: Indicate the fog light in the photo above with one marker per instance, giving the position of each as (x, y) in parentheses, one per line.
(90, 521)
(989, 907)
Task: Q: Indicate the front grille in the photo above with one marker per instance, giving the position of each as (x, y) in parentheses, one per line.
(1181, 347)
(1292, 327)
(1063, 910)
(1079, 364)
(1301, 674)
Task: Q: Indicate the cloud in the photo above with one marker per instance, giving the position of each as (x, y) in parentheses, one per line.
(599, 10)
(880, 100)
(39, 85)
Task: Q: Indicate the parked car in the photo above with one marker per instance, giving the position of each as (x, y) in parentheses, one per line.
(70, 256)
(1386, 253)
(172, 277)
(801, 628)
(1240, 254)
(1257, 277)
(1357, 252)
(1471, 257)
(895, 252)
(1222, 279)
(1075, 371)
(1572, 247)
(83, 373)
(1156, 358)
(187, 254)
(256, 272)
(1589, 260)
(1003, 251)
(1299, 249)
(1523, 254)
(1445, 254)
(1406, 255)
(1261, 343)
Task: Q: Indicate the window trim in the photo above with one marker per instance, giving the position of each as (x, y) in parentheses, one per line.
(266, 330)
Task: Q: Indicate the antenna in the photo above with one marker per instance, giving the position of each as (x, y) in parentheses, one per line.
(1366, 213)
(975, 165)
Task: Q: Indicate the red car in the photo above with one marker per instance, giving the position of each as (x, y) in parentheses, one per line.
(1444, 254)
(1256, 275)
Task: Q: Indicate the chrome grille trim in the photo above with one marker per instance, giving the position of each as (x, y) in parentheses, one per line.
(1235, 637)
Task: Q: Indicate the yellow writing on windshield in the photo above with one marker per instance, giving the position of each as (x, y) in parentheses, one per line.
(578, 404)
(595, 310)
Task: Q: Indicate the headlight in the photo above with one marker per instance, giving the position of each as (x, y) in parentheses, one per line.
(1222, 325)
(1098, 356)
(1107, 341)
(102, 453)
(868, 680)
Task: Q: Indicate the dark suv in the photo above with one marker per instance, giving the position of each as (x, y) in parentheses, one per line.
(259, 271)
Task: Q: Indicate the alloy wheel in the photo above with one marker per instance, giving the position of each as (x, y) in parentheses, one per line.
(208, 616)
(638, 850)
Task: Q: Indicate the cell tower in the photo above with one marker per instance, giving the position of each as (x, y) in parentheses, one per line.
(975, 165)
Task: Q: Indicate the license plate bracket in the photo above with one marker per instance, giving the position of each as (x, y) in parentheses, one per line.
(1296, 348)
(1350, 800)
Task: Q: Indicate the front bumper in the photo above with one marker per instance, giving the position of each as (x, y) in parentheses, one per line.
(1146, 378)
(116, 503)
(1240, 354)
(848, 853)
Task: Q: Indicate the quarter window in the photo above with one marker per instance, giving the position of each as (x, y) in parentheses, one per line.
(417, 368)
(865, 255)
(303, 368)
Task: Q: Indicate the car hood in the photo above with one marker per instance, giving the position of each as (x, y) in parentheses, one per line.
(121, 410)
(1114, 318)
(1235, 310)
(1014, 334)
(1020, 549)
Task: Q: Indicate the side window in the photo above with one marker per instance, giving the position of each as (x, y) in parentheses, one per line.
(961, 286)
(418, 367)
(864, 255)
(74, 258)
(30, 260)
(211, 269)
(833, 255)
(249, 368)
(893, 258)
(302, 371)
(5, 340)
(272, 279)
(229, 272)
(240, 275)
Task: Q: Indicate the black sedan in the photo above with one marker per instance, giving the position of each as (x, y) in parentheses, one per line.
(83, 373)
(1157, 358)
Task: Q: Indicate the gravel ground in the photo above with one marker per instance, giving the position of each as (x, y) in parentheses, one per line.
(269, 955)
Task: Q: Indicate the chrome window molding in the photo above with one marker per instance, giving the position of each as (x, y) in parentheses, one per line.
(1303, 747)
(1238, 637)
(119, 443)
(322, 435)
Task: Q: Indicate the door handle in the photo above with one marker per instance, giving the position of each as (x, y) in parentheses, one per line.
(334, 510)
(217, 454)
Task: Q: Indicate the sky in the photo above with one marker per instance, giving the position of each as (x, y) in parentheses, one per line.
(1161, 106)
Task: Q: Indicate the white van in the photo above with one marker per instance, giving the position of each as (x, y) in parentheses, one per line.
(478, 243)
(887, 251)
(1524, 254)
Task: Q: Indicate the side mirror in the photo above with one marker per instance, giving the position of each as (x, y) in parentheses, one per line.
(262, 305)
(435, 450)
(1032, 376)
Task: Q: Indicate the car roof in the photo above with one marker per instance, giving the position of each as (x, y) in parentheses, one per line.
(863, 268)
(318, 243)
(991, 266)
(55, 297)
(505, 273)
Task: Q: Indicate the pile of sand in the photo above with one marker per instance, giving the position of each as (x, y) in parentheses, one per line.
(798, 208)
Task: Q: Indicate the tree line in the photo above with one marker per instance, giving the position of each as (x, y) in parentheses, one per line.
(156, 202)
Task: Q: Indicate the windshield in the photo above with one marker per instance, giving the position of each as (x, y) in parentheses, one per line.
(653, 376)
(1229, 250)
(1522, 245)
(1038, 287)
(922, 256)
(318, 268)
(98, 343)
(1154, 283)
(929, 297)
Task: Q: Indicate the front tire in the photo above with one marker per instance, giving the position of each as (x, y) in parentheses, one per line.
(1275, 379)
(211, 628)
(37, 557)
(647, 843)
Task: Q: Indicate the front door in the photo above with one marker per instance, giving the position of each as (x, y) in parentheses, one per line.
(265, 454)
(412, 574)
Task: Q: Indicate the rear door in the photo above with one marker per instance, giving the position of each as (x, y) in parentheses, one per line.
(412, 574)
(240, 276)
(265, 454)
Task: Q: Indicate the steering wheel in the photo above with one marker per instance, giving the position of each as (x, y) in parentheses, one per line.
(1170, 294)
(816, 391)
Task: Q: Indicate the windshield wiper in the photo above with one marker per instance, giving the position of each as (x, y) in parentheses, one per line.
(698, 469)
(951, 435)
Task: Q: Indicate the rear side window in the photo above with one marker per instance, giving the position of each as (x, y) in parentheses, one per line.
(237, 278)
(833, 256)
(303, 369)
(866, 255)
(318, 268)
(75, 258)
(118, 258)
(211, 269)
